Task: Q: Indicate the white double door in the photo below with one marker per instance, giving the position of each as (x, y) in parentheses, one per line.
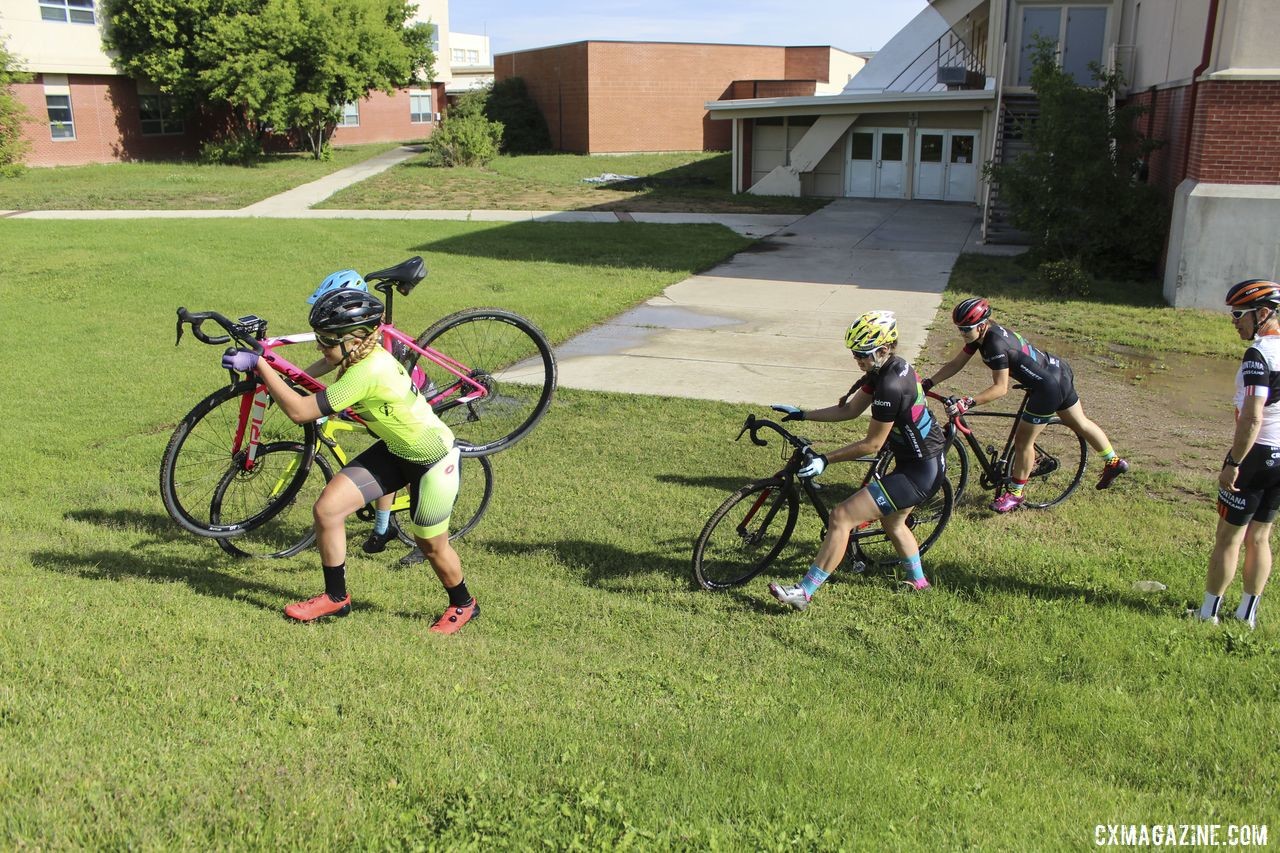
(877, 163)
(945, 167)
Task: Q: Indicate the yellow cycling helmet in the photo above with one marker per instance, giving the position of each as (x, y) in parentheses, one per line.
(872, 330)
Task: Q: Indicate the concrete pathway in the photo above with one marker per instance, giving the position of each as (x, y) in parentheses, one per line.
(768, 324)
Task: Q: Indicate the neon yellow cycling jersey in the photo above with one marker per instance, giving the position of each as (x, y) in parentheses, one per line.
(379, 390)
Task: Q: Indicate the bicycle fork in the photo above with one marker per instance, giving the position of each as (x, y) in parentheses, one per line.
(752, 538)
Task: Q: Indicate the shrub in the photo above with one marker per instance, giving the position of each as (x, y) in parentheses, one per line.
(525, 130)
(238, 149)
(13, 147)
(1066, 277)
(467, 140)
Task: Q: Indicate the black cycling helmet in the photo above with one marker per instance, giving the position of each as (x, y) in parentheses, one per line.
(341, 312)
(1254, 293)
(971, 312)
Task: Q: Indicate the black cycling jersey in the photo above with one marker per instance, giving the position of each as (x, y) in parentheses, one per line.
(1003, 349)
(898, 398)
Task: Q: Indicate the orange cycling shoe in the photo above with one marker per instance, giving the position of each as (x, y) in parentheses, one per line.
(455, 617)
(318, 608)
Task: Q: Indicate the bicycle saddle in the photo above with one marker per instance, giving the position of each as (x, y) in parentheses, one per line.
(403, 275)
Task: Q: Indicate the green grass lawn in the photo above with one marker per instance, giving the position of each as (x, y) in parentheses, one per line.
(151, 694)
(171, 185)
(691, 181)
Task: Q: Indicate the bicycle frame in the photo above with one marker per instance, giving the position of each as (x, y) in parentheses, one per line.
(994, 466)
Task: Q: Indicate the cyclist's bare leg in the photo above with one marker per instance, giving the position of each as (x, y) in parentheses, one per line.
(1024, 449)
(1074, 417)
(443, 559)
(1225, 556)
(897, 532)
(339, 499)
(845, 518)
(1257, 557)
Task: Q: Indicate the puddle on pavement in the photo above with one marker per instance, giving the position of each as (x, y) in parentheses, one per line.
(634, 327)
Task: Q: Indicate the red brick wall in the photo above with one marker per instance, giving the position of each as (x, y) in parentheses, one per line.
(808, 63)
(1165, 121)
(385, 118)
(745, 89)
(557, 81)
(602, 97)
(108, 124)
(108, 127)
(1236, 136)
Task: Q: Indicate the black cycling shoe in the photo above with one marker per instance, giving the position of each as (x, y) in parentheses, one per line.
(377, 542)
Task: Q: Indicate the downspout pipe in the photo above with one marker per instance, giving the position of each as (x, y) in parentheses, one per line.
(1209, 28)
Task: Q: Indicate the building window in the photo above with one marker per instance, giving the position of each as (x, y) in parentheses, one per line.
(459, 55)
(61, 125)
(420, 108)
(75, 11)
(350, 115)
(160, 115)
(473, 57)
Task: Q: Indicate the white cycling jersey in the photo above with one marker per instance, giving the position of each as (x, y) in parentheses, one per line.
(1259, 376)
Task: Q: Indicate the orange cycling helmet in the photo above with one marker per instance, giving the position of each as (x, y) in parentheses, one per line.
(1254, 293)
(971, 312)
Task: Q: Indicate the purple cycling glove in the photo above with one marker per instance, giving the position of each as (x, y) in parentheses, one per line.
(239, 360)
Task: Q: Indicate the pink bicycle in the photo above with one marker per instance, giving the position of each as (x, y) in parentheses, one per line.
(488, 373)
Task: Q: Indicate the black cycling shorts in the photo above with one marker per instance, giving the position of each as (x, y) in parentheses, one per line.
(1258, 481)
(432, 488)
(911, 482)
(1057, 392)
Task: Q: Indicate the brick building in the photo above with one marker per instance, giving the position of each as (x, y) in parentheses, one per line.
(83, 110)
(612, 97)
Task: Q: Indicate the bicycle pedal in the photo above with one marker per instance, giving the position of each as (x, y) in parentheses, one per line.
(857, 567)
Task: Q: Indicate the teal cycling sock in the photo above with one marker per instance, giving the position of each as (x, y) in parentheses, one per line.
(382, 520)
(813, 579)
(914, 571)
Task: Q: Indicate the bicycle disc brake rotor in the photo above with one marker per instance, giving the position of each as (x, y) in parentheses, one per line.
(1045, 465)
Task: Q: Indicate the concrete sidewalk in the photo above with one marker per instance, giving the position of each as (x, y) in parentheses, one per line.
(768, 324)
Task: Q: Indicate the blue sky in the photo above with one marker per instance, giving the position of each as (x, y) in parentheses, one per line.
(852, 25)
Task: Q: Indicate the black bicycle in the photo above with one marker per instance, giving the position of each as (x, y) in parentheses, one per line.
(754, 525)
(1061, 457)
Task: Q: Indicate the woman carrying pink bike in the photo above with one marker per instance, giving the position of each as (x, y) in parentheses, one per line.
(415, 449)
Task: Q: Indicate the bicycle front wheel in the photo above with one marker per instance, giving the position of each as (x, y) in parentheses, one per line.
(1061, 456)
(211, 442)
(926, 522)
(292, 530)
(745, 534)
(504, 353)
(475, 488)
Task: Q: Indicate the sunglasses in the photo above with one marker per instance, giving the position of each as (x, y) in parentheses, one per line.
(1237, 313)
(865, 353)
(970, 328)
(327, 341)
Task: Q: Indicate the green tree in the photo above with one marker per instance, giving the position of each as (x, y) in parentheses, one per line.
(12, 114)
(281, 64)
(510, 104)
(1074, 192)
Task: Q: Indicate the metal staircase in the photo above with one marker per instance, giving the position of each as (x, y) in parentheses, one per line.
(1016, 113)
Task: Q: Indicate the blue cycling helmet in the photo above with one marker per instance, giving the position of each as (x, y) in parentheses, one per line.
(340, 280)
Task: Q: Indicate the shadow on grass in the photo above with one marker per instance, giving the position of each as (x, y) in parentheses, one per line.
(122, 565)
(995, 277)
(602, 245)
(159, 527)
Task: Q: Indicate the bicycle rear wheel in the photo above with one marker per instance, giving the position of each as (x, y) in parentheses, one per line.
(506, 354)
(475, 488)
(209, 443)
(745, 534)
(292, 530)
(1061, 456)
(926, 521)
